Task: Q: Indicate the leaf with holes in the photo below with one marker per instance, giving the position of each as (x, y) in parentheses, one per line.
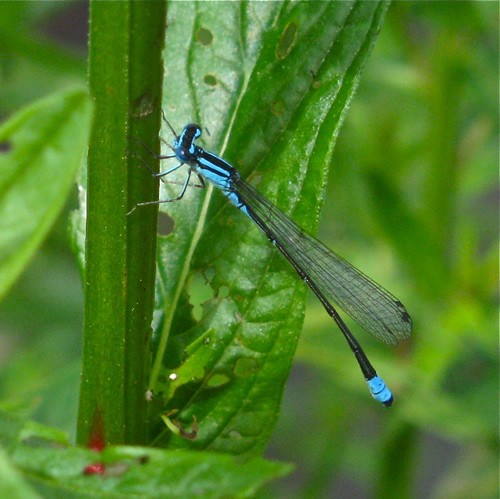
(269, 83)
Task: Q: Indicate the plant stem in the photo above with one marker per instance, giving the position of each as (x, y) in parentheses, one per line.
(125, 73)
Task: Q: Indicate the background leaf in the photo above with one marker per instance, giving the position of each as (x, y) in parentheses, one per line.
(42, 148)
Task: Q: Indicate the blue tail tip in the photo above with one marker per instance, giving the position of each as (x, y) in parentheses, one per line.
(379, 391)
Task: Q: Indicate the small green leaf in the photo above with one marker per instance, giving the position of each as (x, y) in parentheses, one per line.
(14, 430)
(41, 148)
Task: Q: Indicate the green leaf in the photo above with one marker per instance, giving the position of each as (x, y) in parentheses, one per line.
(270, 93)
(42, 146)
(145, 472)
(58, 470)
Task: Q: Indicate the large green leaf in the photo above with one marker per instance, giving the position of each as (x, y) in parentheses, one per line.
(269, 83)
(42, 147)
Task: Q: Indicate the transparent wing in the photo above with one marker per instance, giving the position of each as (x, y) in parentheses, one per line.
(370, 305)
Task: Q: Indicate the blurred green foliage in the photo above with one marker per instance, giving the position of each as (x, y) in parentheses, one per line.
(413, 201)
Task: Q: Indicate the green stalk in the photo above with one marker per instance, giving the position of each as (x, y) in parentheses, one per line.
(125, 73)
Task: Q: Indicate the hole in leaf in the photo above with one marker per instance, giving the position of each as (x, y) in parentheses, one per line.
(245, 366)
(278, 108)
(223, 292)
(287, 41)
(205, 36)
(200, 292)
(217, 380)
(166, 224)
(255, 179)
(210, 80)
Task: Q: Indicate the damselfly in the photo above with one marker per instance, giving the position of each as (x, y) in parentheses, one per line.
(330, 277)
